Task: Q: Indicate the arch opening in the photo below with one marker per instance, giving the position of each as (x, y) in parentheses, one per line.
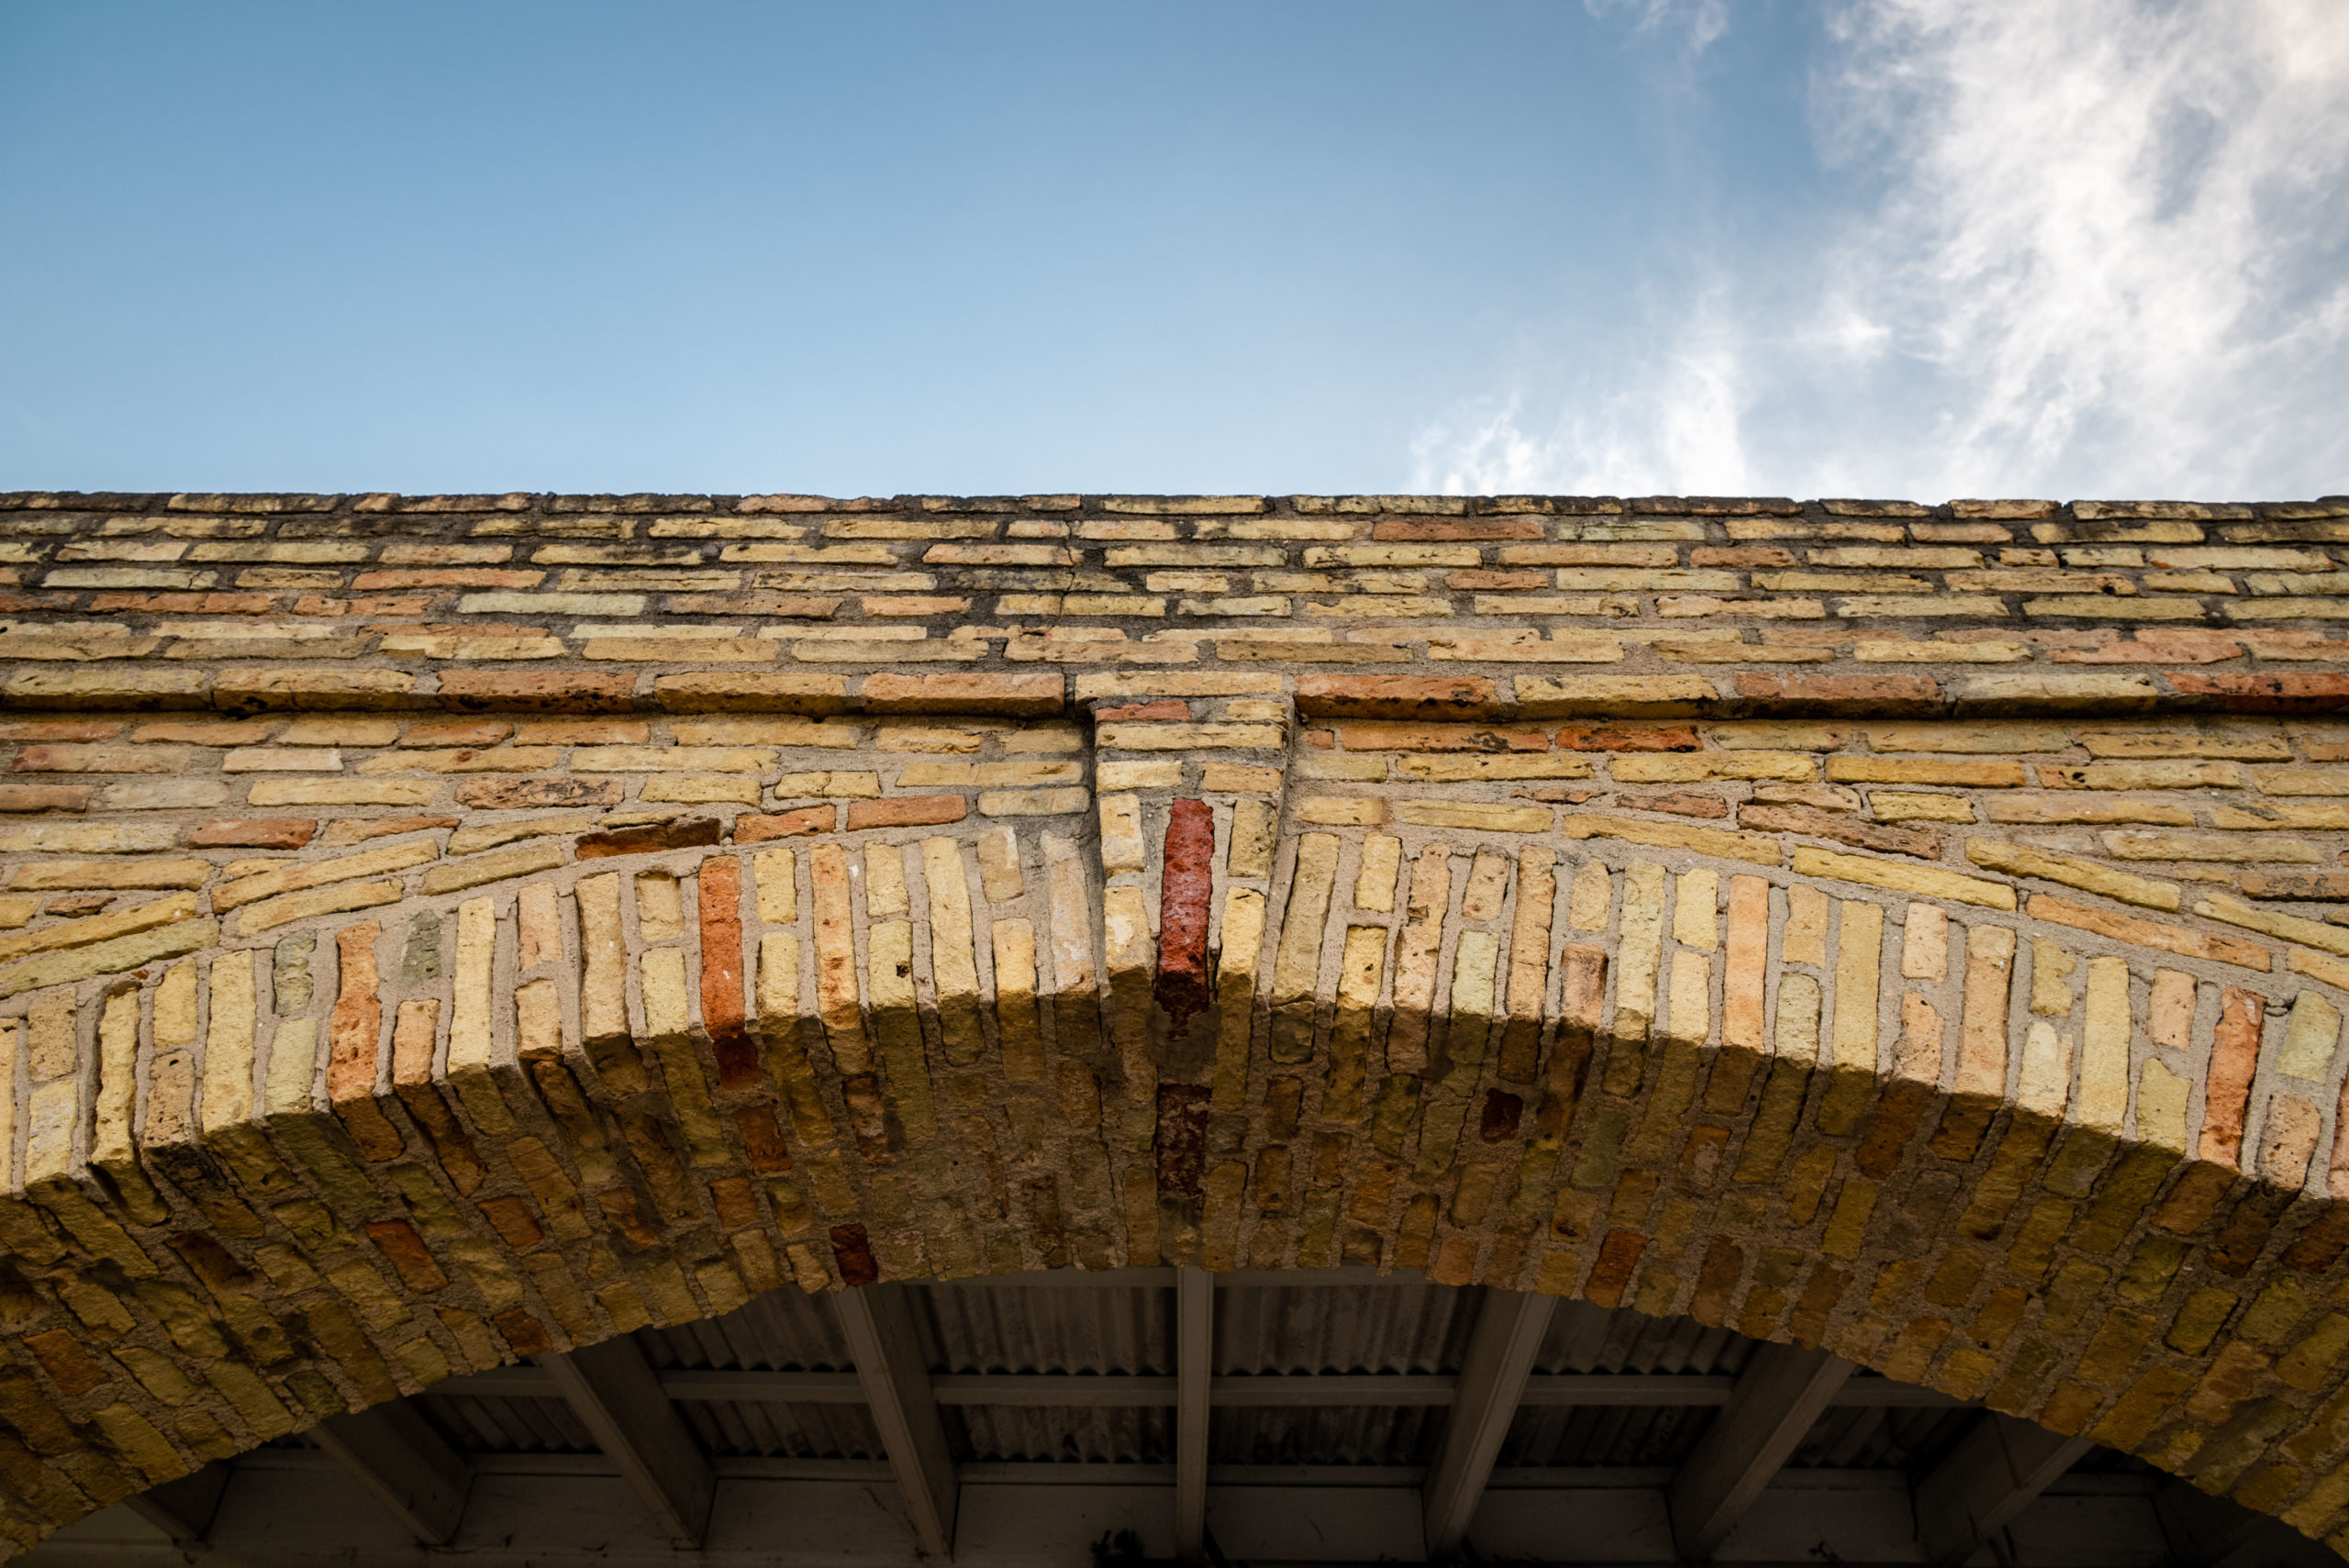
(1339, 1416)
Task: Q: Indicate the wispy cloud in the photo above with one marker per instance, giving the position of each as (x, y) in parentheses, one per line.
(2102, 251)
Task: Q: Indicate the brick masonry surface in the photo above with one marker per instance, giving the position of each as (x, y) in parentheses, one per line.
(437, 930)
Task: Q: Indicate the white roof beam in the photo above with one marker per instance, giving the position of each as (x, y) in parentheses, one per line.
(1776, 1399)
(395, 1454)
(1194, 1380)
(1993, 1473)
(184, 1509)
(879, 1330)
(617, 1397)
(1510, 1330)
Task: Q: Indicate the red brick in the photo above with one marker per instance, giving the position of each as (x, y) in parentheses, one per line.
(523, 1334)
(906, 811)
(1618, 1254)
(2263, 694)
(853, 1252)
(751, 829)
(736, 1202)
(654, 836)
(1027, 696)
(1881, 696)
(2320, 1246)
(73, 1369)
(253, 833)
(1186, 890)
(1458, 529)
(1717, 1282)
(516, 795)
(722, 1011)
(489, 691)
(1398, 696)
(354, 1038)
(407, 1254)
(512, 1219)
(763, 1140)
(1498, 1122)
(2234, 1058)
(45, 797)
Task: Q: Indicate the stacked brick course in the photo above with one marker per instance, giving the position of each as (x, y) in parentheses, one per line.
(440, 930)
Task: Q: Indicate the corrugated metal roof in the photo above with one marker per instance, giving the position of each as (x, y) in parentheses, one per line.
(1341, 1322)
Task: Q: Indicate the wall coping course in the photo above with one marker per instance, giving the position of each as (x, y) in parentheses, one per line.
(436, 930)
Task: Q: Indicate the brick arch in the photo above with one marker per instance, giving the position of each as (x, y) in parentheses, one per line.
(300, 1169)
(1827, 1007)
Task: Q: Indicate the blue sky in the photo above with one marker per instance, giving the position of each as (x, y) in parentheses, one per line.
(1628, 246)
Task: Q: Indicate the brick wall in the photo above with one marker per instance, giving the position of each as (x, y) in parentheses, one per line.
(438, 930)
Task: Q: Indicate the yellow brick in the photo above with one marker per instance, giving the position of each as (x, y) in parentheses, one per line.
(1332, 811)
(777, 873)
(1462, 769)
(98, 928)
(2331, 938)
(343, 792)
(1760, 849)
(470, 1038)
(2072, 872)
(1121, 840)
(1696, 767)
(1924, 771)
(111, 957)
(1473, 815)
(502, 866)
(1374, 883)
(953, 967)
(1903, 877)
(778, 980)
(1893, 806)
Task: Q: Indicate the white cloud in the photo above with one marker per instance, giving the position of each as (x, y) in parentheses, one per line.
(2106, 254)
(1700, 22)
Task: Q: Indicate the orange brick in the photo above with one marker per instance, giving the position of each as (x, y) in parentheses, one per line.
(758, 830)
(906, 811)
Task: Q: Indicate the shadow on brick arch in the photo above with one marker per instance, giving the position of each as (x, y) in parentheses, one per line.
(269, 1177)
